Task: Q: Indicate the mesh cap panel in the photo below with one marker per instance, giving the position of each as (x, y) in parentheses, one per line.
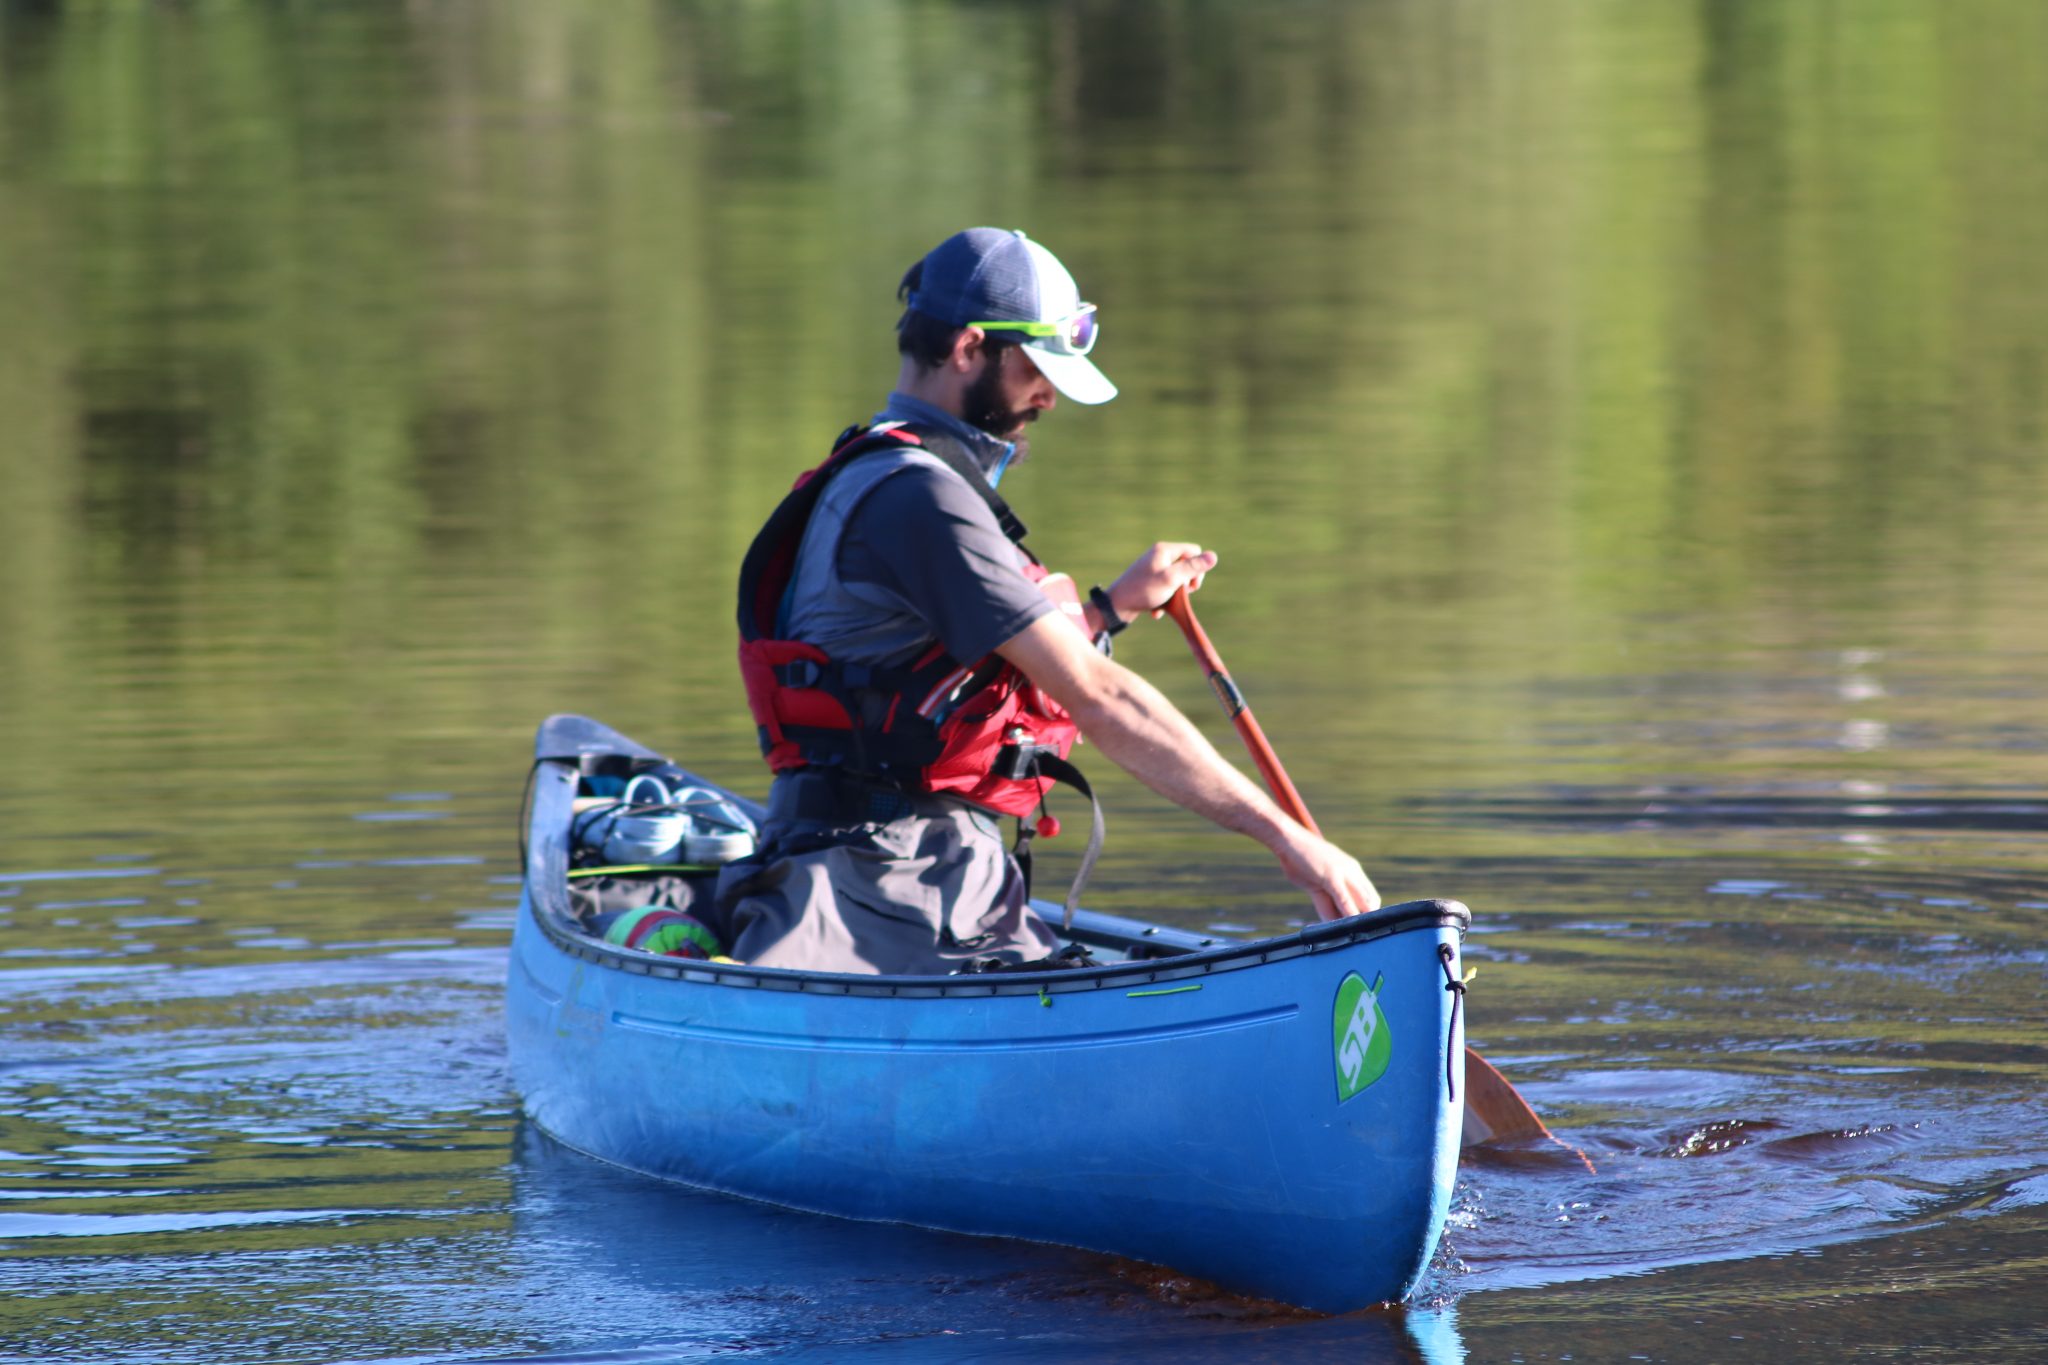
(979, 275)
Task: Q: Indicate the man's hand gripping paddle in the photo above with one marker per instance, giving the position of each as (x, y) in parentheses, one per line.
(1493, 1107)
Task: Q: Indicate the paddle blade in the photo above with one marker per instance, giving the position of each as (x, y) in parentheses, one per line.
(1496, 1112)
(1494, 1109)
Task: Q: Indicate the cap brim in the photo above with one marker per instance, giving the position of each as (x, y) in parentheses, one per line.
(1075, 376)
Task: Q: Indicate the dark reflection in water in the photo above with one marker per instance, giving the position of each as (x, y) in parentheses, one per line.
(1621, 425)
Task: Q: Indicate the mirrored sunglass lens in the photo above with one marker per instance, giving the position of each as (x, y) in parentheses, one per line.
(1081, 331)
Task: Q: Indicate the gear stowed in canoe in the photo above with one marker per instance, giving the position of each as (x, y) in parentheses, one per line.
(1280, 1116)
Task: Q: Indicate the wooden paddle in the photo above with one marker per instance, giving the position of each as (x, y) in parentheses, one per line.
(1493, 1107)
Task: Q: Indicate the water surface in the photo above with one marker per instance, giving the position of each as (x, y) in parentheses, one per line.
(1623, 427)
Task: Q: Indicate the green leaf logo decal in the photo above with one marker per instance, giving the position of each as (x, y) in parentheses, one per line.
(1363, 1042)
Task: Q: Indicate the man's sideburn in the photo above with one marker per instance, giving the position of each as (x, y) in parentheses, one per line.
(983, 406)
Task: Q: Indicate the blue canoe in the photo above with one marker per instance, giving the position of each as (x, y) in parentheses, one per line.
(1278, 1116)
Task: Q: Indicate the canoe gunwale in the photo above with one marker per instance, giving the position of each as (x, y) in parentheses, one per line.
(546, 885)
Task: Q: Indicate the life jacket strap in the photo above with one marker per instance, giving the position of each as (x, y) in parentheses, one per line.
(950, 453)
(1044, 763)
(845, 677)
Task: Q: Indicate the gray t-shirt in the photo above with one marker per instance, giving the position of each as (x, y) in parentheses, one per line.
(923, 546)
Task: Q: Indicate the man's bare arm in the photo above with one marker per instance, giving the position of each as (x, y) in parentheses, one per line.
(1146, 735)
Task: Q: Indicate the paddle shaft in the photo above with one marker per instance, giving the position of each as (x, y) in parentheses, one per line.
(1183, 613)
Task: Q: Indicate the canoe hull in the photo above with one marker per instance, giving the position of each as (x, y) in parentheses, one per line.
(1187, 1110)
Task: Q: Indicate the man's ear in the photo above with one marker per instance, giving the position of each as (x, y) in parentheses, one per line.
(967, 349)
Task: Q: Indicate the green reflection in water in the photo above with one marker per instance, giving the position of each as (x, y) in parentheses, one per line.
(1571, 341)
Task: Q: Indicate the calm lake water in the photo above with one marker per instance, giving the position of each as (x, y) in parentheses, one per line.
(1625, 429)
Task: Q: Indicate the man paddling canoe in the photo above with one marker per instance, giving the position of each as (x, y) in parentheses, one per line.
(915, 672)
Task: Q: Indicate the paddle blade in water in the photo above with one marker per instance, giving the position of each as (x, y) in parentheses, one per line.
(1496, 1112)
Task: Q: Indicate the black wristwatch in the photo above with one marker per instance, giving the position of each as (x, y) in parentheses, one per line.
(1111, 622)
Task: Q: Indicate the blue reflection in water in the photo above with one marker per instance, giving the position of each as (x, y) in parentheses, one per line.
(634, 1268)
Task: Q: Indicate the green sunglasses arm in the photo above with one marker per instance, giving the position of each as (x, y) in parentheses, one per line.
(1035, 329)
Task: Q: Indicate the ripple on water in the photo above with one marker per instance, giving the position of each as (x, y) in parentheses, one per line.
(1766, 1140)
(26, 1225)
(1678, 1184)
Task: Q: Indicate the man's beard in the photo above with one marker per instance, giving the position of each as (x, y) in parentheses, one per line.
(982, 406)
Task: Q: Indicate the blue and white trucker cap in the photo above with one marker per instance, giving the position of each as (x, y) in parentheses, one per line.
(990, 274)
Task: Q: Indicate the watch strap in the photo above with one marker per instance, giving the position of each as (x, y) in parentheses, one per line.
(1111, 622)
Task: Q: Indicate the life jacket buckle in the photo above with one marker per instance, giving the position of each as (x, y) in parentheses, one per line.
(1017, 760)
(799, 673)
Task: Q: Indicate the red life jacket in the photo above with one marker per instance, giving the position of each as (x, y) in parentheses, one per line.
(975, 731)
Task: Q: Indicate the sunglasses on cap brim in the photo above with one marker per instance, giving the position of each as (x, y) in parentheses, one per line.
(1073, 334)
